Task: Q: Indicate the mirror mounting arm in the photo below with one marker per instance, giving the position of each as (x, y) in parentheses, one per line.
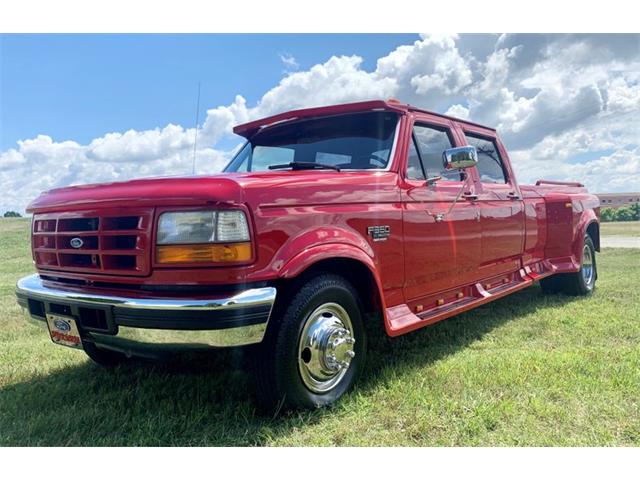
(457, 158)
(438, 217)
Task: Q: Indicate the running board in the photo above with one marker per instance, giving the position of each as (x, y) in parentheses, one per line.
(406, 318)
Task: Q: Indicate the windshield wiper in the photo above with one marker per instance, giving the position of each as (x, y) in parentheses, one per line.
(304, 166)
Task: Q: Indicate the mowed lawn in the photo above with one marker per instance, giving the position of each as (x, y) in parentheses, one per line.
(625, 229)
(529, 369)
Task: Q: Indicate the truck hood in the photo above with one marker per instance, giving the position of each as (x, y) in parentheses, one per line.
(282, 188)
(196, 190)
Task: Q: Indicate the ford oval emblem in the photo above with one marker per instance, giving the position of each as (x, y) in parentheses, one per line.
(76, 242)
(62, 325)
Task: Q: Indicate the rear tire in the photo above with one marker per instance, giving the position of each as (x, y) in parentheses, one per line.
(314, 350)
(579, 283)
(103, 357)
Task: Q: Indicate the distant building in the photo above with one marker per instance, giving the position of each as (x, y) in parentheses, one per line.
(615, 200)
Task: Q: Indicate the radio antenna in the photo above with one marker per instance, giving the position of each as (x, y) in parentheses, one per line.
(195, 139)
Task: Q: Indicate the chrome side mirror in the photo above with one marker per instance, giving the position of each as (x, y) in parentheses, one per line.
(460, 158)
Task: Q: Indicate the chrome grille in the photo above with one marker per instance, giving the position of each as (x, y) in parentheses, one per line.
(112, 242)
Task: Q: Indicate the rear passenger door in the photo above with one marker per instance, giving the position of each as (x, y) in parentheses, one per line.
(439, 255)
(501, 207)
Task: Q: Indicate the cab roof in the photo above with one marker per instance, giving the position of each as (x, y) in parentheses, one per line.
(247, 130)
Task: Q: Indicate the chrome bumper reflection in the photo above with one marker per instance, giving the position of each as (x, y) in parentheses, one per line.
(130, 339)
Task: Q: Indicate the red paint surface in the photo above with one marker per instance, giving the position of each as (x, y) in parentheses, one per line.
(298, 218)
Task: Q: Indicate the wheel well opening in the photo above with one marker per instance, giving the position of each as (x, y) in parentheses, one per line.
(356, 273)
(593, 230)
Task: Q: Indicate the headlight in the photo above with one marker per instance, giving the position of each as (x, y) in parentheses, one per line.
(186, 227)
(203, 236)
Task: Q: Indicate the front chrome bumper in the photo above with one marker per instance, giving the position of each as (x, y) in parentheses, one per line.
(134, 325)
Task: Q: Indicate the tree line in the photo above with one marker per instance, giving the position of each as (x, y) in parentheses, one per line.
(622, 214)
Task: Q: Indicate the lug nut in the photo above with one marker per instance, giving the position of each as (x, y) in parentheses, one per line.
(351, 353)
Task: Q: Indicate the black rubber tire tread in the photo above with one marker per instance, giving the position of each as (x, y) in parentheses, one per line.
(277, 381)
(572, 283)
(103, 357)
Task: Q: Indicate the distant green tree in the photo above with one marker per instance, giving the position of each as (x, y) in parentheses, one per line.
(624, 214)
(635, 210)
(11, 213)
(607, 215)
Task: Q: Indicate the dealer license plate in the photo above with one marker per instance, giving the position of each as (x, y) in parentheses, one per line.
(64, 330)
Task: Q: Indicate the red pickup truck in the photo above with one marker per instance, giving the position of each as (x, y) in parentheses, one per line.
(326, 219)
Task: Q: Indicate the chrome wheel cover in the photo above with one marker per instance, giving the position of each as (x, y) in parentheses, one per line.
(587, 265)
(325, 347)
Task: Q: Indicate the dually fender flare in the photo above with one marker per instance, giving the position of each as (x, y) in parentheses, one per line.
(587, 219)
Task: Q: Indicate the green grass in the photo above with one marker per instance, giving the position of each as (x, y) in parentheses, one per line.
(525, 370)
(627, 229)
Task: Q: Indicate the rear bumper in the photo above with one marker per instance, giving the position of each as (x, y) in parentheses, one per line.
(132, 324)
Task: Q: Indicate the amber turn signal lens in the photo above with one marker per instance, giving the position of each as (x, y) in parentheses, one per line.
(202, 253)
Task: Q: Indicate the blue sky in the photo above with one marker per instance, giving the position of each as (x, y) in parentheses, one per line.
(82, 86)
(99, 108)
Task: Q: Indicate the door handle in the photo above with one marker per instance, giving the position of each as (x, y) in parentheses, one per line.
(470, 196)
(513, 196)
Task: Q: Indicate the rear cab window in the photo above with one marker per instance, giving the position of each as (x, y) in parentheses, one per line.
(490, 165)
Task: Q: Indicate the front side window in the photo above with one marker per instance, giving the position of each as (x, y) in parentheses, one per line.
(432, 142)
(490, 166)
(414, 169)
(359, 141)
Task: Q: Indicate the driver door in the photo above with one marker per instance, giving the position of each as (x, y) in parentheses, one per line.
(438, 255)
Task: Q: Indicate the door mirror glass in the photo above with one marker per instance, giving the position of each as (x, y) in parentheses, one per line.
(460, 158)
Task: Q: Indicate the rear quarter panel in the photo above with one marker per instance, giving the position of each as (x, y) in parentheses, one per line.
(568, 217)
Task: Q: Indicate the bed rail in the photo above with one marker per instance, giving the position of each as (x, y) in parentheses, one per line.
(555, 182)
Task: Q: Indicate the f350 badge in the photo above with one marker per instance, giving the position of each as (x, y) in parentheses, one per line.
(379, 233)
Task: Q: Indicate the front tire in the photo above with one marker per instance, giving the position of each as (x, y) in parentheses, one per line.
(579, 283)
(315, 351)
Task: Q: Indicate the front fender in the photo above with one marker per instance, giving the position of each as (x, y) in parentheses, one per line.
(332, 251)
(307, 257)
(319, 237)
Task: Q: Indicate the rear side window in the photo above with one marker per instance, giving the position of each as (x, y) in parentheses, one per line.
(432, 142)
(490, 166)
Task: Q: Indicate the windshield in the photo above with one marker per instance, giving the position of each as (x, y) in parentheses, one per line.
(360, 141)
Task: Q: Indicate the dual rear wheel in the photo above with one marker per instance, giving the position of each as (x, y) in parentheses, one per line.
(581, 282)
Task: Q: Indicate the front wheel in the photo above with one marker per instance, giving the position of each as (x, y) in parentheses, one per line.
(315, 350)
(581, 282)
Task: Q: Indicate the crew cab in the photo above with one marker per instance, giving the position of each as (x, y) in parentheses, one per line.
(325, 219)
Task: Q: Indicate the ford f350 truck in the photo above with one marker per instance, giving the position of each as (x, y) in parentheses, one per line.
(325, 219)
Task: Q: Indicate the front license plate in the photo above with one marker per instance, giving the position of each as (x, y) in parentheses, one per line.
(64, 330)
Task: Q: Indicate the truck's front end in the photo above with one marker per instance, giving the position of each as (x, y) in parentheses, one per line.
(120, 267)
